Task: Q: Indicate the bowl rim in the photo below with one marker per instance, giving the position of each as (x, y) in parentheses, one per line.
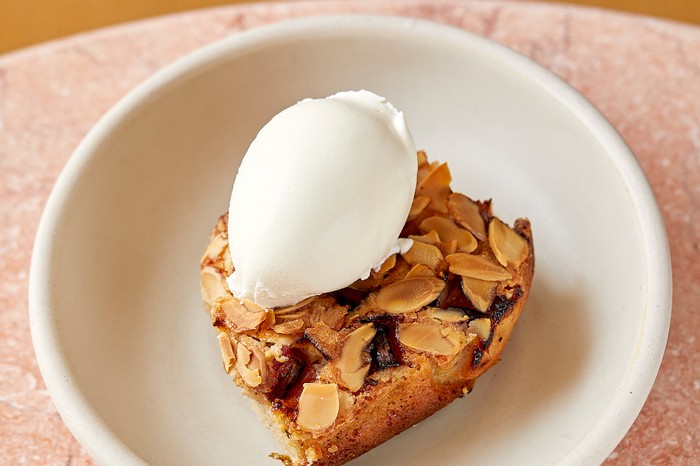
(622, 409)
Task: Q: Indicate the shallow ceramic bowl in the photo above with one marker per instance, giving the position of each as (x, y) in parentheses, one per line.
(131, 358)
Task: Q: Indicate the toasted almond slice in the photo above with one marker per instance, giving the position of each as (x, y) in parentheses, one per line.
(352, 371)
(452, 335)
(318, 406)
(422, 253)
(436, 186)
(479, 292)
(346, 400)
(429, 238)
(227, 356)
(481, 327)
(387, 265)
(417, 206)
(290, 327)
(422, 158)
(448, 248)
(466, 213)
(424, 170)
(483, 268)
(420, 270)
(212, 285)
(353, 381)
(289, 309)
(243, 314)
(215, 248)
(449, 231)
(426, 337)
(228, 263)
(244, 360)
(366, 284)
(409, 294)
(508, 246)
(449, 315)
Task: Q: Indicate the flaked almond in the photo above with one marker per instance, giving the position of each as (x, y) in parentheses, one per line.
(481, 327)
(420, 270)
(346, 400)
(417, 206)
(409, 294)
(387, 265)
(334, 316)
(244, 314)
(479, 292)
(212, 285)
(318, 406)
(367, 284)
(508, 246)
(215, 248)
(326, 340)
(483, 268)
(279, 311)
(466, 213)
(289, 327)
(436, 186)
(422, 158)
(448, 231)
(447, 248)
(429, 238)
(429, 338)
(228, 263)
(227, 356)
(352, 367)
(424, 170)
(422, 253)
(250, 365)
(449, 315)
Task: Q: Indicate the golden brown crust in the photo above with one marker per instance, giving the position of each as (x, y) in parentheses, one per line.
(388, 358)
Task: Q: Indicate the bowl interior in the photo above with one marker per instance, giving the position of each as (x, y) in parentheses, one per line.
(122, 260)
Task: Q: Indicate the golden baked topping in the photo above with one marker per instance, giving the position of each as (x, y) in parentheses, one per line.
(215, 248)
(420, 270)
(409, 294)
(436, 186)
(481, 327)
(227, 356)
(508, 246)
(212, 285)
(419, 204)
(429, 338)
(479, 292)
(352, 369)
(250, 364)
(290, 327)
(483, 268)
(429, 238)
(449, 315)
(387, 265)
(243, 314)
(227, 262)
(318, 406)
(447, 230)
(422, 253)
(466, 213)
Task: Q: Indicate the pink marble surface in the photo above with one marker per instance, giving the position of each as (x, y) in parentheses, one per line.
(643, 74)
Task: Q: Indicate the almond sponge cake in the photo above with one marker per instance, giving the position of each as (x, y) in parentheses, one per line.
(339, 373)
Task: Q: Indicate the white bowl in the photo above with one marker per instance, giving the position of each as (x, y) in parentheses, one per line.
(131, 359)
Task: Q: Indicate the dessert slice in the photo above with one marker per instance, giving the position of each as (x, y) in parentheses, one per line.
(339, 373)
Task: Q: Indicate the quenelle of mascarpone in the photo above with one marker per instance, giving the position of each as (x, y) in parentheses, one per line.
(320, 198)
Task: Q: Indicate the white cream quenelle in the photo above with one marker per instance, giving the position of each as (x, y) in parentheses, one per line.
(320, 198)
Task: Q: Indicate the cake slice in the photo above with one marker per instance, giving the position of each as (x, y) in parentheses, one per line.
(337, 374)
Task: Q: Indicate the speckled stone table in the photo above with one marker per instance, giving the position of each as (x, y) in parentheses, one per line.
(642, 73)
